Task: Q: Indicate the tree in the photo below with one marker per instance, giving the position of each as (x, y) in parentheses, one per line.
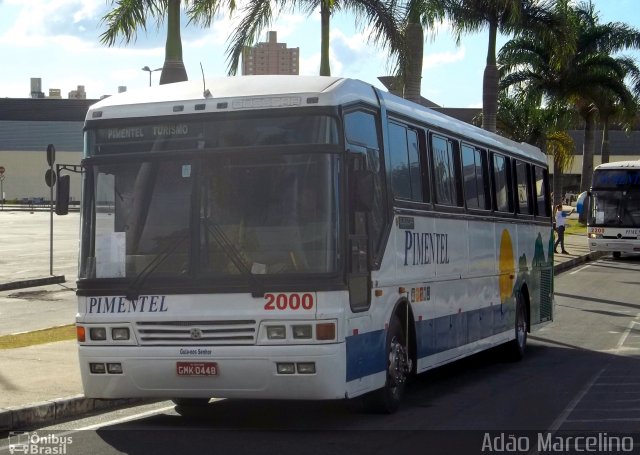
(573, 69)
(506, 17)
(258, 14)
(420, 15)
(130, 15)
(522, 119)
(612, 109)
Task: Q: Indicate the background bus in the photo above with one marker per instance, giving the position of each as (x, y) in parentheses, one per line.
(614, 208)
(300, 238)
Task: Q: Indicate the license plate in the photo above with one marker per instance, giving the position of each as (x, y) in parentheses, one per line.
(197, 368)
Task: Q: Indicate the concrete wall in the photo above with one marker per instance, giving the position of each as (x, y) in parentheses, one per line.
(24, 173)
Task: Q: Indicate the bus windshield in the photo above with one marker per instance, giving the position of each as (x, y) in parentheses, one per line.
(216, 215)
(615, 208)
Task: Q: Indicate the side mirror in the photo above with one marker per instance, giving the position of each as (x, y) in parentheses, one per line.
(62, 194)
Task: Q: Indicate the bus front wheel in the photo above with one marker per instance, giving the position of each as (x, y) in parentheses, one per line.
(617, 254)
(387, 399)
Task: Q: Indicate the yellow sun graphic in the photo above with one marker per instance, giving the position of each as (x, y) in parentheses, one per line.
(506, 266)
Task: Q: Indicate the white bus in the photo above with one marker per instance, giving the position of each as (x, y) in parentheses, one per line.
(613, 221)
(291, 237)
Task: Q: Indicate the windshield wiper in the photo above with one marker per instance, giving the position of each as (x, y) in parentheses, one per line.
(234, 255)
(133, 292)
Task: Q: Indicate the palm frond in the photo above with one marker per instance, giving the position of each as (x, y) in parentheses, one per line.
(128, 16)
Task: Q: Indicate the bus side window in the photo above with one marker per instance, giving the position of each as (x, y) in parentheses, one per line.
(406, 168)
(523, 188)
(474, 177)
(445, 174)
(501, 187)
(543, 207)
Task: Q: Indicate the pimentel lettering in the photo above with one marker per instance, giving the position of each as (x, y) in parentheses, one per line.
(124, 133)
(143, 304)
(425, 248)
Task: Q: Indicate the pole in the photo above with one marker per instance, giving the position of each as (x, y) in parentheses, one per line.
(1, 192)
(51, 223)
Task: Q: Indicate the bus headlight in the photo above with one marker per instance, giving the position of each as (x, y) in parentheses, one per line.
(595, 236)
(276, 332)
(120, 334)
(98, 333)
(302, 332)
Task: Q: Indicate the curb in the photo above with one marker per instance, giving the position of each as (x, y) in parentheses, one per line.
(54, 279)
(571, 263)
(49, 412)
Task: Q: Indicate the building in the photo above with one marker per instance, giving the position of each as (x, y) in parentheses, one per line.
(27, 126)
(78, 94)
(55, 93)
(271, 57)
(36, 88)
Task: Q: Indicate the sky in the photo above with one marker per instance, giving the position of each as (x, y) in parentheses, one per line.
(58, 41)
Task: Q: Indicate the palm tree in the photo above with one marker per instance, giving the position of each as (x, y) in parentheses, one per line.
(575, 69)
(258, 14)
(521, 119)
(421, 15)
(506, 17)
(130, 15)
(611, 109)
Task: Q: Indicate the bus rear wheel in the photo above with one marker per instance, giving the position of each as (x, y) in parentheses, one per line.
(387, 399)
(516, 347)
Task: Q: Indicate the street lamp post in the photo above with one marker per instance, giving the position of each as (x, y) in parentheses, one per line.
(146, 68)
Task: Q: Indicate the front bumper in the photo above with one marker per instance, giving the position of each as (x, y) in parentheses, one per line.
(243, 372)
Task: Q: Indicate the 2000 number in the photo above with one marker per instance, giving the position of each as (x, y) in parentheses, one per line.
(288, 301)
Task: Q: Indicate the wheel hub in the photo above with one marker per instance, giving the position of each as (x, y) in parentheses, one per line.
(399, 363)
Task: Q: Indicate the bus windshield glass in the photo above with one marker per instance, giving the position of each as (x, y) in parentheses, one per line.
(615, 208)
(228, 214)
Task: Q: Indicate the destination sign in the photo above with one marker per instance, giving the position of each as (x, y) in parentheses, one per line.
(149, 132)
(616, 178)
(146, 138)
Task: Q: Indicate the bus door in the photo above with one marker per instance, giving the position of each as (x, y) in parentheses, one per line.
(359, 270)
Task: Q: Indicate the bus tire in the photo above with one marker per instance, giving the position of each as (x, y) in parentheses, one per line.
(387, 399)
(617, 255)
(516, 348)
(191, 407)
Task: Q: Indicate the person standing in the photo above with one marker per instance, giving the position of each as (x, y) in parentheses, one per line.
(561, 222)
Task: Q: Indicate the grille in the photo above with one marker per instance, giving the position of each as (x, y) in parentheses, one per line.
(185, 333)
(546, 308)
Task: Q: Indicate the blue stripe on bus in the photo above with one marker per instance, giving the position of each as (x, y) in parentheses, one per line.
(366, 351)
(448, 332)
(366, 354)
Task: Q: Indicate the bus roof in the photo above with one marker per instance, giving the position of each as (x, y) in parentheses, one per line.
(619, 165)
(228, 94)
